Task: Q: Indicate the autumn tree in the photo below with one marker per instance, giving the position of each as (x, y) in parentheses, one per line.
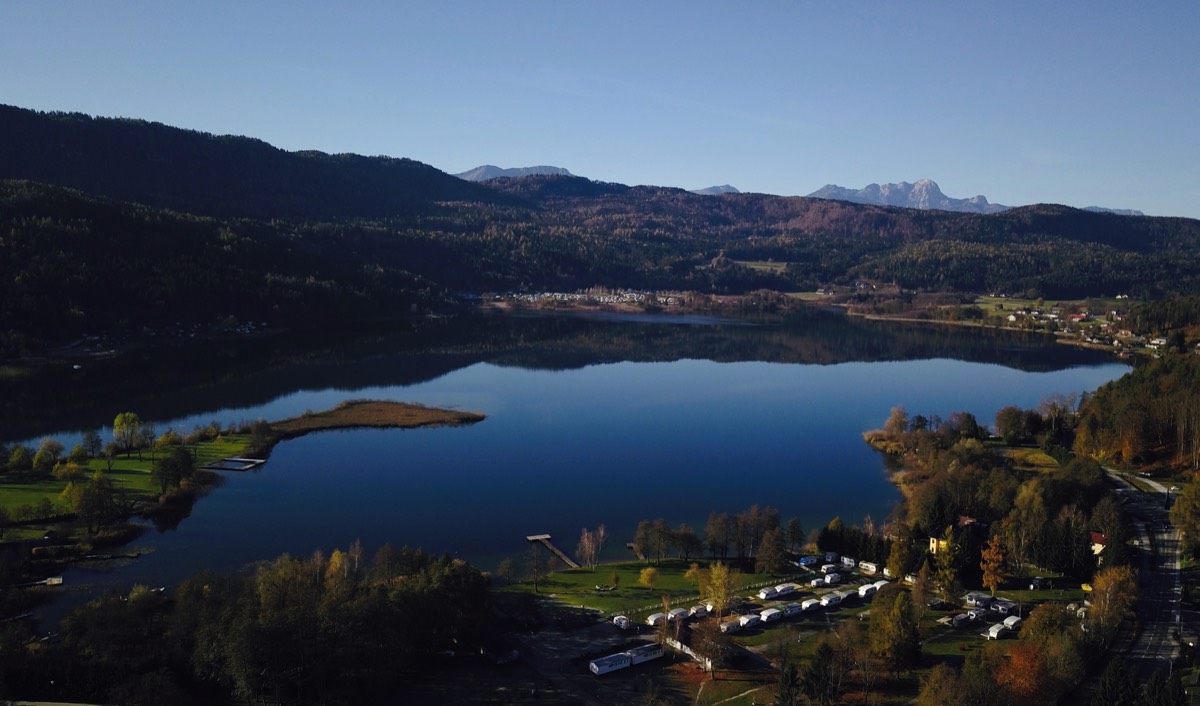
(992, 564)
(795, 534)
(771, 558)
(716, 534)
(641, 539)
(941, 687)
(894, 636)
(902, 557)
(687, 542)
(172, 468)
(948, 557)
(1114, 591)
(127, 429)
(1185, 515)
(587, 548)
(719, 587)
(1024, 674)
(648, 577)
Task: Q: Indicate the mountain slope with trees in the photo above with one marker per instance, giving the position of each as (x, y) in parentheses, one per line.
(232, 227)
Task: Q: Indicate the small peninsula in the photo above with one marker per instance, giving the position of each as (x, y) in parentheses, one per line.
(357, 414)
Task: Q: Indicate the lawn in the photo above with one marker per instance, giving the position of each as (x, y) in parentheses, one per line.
(577, 587)
(1031, 459)
(131, 474)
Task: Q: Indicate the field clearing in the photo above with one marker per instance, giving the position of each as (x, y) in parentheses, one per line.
(1031, 459)
(763, 265)
(577, 587)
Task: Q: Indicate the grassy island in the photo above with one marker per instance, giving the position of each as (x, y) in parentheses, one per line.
(372, 413)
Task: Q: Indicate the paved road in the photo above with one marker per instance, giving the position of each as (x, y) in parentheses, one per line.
(1157, 645)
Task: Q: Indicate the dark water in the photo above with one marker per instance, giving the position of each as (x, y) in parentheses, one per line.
(589, 421)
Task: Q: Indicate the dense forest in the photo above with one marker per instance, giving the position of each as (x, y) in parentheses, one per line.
(341, 628)
(123, 225)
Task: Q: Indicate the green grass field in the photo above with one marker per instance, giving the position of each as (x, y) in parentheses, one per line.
(1031, 459)
(577, 587)
(131, 474)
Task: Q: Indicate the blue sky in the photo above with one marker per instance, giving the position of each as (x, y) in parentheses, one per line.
(1082, 103)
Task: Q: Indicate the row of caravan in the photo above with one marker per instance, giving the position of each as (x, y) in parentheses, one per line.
(783, 589)
(628, 658)
(829, 600)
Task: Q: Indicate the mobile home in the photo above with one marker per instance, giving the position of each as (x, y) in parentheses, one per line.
(867, 590)
(792, 608)
(868, 567)
(731, 626)
(831, 599)
(611, 663)
(766, 593)
(645, 653)
(786, 589)
(810, 604)
(997, 631)
(677, 614)
(748, 621)
(656, 619)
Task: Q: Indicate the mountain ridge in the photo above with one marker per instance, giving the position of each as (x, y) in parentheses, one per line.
(490, 171)
(925, 194)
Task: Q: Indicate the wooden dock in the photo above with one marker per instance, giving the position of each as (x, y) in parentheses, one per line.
(234, 463)
(545, 539)
(640, 556)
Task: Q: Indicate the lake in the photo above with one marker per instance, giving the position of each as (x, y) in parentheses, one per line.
(590, 420)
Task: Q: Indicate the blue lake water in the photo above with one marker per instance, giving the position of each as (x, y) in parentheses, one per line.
(574, 440)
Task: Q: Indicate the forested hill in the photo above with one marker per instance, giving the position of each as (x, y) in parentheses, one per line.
(225, 176)
(78, 264)
(124, 224)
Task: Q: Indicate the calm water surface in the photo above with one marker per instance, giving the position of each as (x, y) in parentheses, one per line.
(575, 441)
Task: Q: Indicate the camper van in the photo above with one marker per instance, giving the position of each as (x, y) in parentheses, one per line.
(867, 590)
(868, 568)
(622, 622)
(748, 621)
(997, 631)
(792, 609)
(677, 614)
(829, 569)
(831, 599)
(786, 589)
(810, 604)
(770, 615)
(656, 619)
(767, 593)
